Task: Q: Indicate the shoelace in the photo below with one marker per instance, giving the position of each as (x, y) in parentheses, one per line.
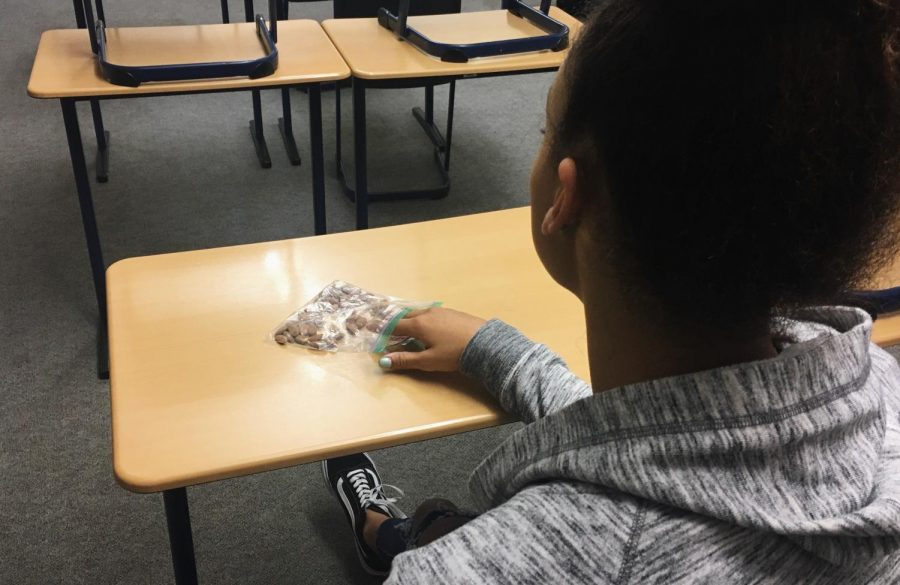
(370, 495)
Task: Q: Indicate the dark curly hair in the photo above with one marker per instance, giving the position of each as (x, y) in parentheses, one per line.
(751, 149)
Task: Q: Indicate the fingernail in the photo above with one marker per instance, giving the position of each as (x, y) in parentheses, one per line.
(385, 363)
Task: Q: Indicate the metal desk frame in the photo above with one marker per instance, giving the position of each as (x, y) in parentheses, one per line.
(256, 124)
(359, 192)
(86, 202)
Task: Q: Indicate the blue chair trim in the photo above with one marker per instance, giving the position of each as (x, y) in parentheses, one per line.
(134, 76)
(875, 302)
(556, 39)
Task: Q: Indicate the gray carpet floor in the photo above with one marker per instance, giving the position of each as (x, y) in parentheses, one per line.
(183, 176)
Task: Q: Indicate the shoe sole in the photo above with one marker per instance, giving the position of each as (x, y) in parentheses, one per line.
(359, 553)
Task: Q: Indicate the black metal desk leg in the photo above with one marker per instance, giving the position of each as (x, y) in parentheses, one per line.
(448, 137)
(225, 18)
(178, 519)
(337, 123)
(102, 161)
(429, 103)
(89, 222)
(359, 153)
(248, 10)
(287, 127)
(318, 156)
(256, 132)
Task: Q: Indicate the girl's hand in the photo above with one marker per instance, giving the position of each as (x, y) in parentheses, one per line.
(445, 334)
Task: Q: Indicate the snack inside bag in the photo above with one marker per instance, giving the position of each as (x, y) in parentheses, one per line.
(344, 317)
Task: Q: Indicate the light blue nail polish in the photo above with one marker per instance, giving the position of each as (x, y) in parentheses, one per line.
(385, 362)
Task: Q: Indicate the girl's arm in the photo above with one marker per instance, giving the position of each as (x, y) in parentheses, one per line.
(528, 379)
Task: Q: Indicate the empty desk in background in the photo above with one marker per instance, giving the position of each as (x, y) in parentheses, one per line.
(66, 69)
(378, 60)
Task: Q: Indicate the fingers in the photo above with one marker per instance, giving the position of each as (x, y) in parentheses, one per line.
(404, 328)
(408, 326)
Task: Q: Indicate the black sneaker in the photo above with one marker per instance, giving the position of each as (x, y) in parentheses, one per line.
(355, 482)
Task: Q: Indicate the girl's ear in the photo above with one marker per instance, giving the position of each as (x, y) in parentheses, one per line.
(567, 201)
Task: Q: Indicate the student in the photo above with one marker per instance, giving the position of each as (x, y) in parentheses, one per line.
(713, 176)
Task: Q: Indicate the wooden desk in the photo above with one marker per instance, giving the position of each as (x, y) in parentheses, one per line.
(377, 59)
(373, 52)
(66, 69)
(198, 394)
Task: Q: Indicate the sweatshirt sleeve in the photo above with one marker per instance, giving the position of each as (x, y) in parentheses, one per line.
(529, 380)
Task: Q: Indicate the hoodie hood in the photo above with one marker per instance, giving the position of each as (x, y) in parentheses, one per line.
(805, 445)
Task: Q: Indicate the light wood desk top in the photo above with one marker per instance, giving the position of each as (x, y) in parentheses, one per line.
(198, 394)
(65, 67)
(373, 52)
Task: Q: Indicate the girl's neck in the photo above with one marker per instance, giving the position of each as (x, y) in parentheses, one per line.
(625, 346)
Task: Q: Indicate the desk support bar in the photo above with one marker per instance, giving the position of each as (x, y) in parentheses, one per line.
(89, 222)
(358, 191)
(181, 541)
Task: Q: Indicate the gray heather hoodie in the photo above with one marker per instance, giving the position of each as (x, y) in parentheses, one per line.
(785, 470)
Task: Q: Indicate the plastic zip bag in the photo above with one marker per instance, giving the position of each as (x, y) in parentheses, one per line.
(344, 317)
